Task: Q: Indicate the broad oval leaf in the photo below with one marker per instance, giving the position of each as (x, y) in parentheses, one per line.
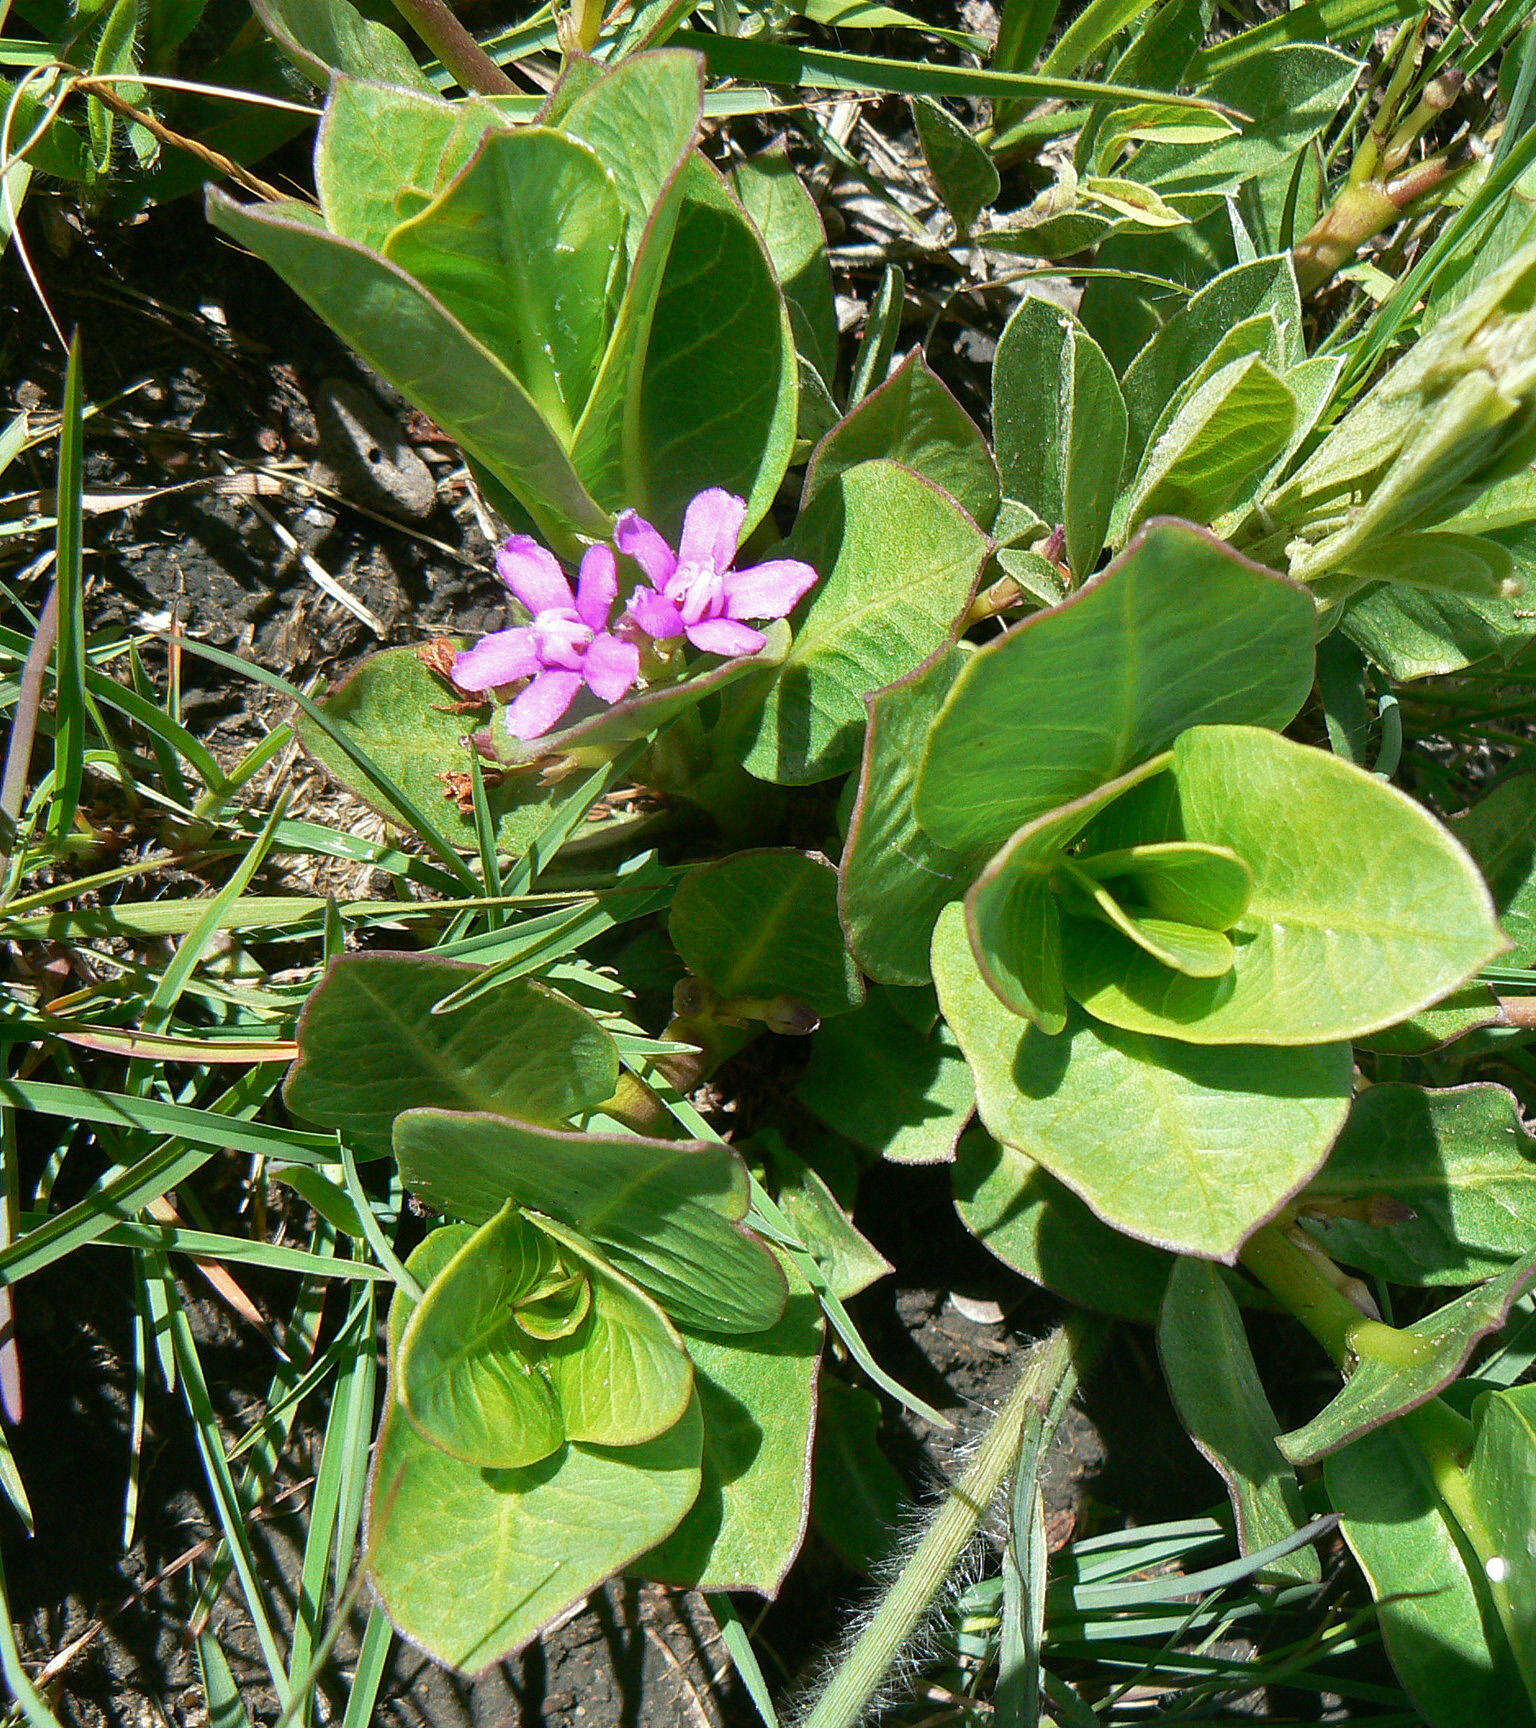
(370, 1047)
(526, 248)
(883, 1083)
(472, 1564)
(899, 562)
(1263, 289)
(1179, 631)
(397, 711)
(1461, 1162)
(383, 153)
(758, 1397)
(623, 1375)
(914, 419)
(764, 923)
(1217, 448)
(718, 389)
(779, 203)
(469, 1378)
(666, 1213)
(641, 116)
(1221, 1401)
(894, 880)
(1331, 946)
(1039, 1227)
(1436, 1621)
(1189, 1147)
(1499, 1475)
(1060, 423)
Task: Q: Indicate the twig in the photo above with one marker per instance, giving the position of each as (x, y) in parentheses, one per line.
(434, 22)
(109, 98)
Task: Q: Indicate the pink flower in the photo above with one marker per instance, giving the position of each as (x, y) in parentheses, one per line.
(695, 592)
(568, 644)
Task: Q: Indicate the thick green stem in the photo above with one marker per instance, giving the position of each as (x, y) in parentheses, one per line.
(434, 22)
(1296, 1278)
(1049, 1376)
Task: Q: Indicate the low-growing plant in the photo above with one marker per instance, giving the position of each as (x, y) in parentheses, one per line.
(1028, 771)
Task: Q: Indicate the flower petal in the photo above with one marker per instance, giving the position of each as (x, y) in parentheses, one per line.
(655, 614)
(533, 574)
(497, 659)
(725, 636)
(770, 590)
(597, 587)
(611, 667)
(637, 539)
(540, 706)
(712, 529)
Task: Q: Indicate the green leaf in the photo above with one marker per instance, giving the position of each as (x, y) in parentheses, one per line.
(763, 924)
(370, 1046)
(848, 1262)
(774, 196)
(899, 562)
(326, 36)
(526, 249)
(469, 1377)
(472, 1564)
(913, 419)
(1060, 424)
(717, 395)
(1424, 633)
(797, 64)
(1468, 1009)
(1288, 96)
(415, 342)
(1177, 632)
(641, 117)
(758, 1396)
(1217, 448)
(1398, 1369)
(1326, 949)
(622, 1376)
(1216, 1390)
(1461, 1159)
(858, 1503)
(1437, 1626)
(396, 709)
(1040, 1228)
(1500, 833)
(1499, 1475)
(887, 1085)
(963, 172)
(1186, 1146)
(894, 880)
(1466, 564)
(383, 153)
(666, 1213)
(1264, 288)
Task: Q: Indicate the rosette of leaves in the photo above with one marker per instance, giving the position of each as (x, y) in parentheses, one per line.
(559, 296)
(595, 1364)
(1148, 914)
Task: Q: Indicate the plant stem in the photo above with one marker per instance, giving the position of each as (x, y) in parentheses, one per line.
(434, 22)
(1294, 1276)
(1049, 1377)
(109, 98)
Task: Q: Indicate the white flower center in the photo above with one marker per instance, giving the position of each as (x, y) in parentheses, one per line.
(562, 637)
(698, 591)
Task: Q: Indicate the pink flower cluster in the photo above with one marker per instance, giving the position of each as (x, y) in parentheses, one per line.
(573, 641)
